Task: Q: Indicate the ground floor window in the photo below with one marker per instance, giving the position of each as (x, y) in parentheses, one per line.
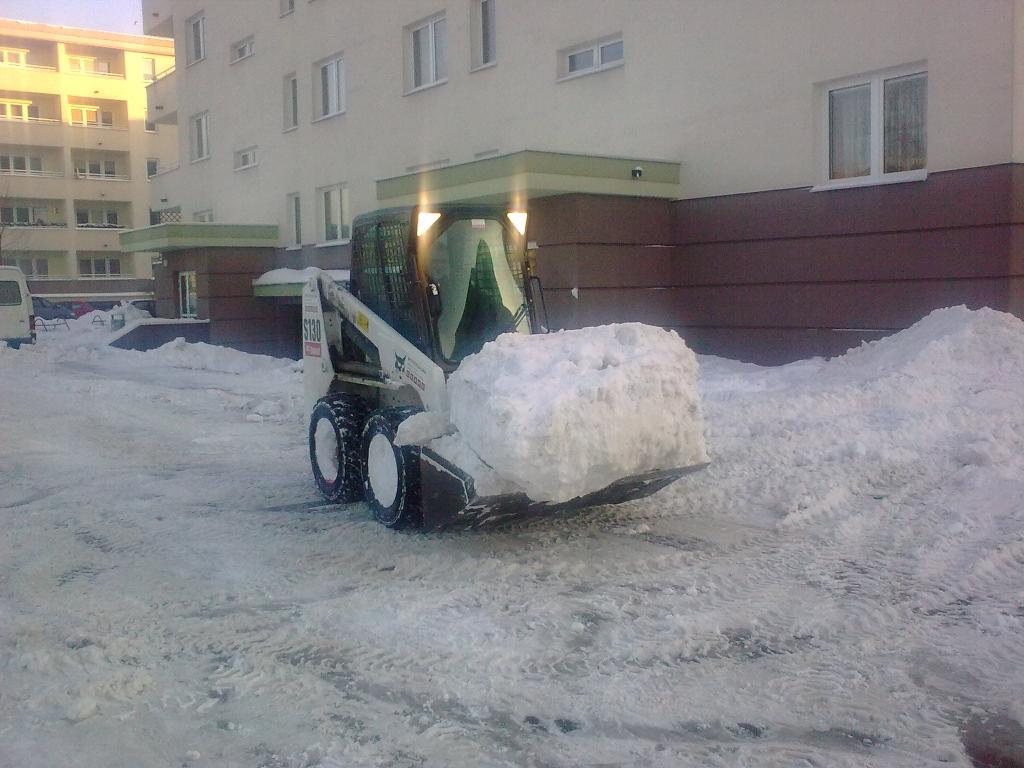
(187, 298)
(99, 266)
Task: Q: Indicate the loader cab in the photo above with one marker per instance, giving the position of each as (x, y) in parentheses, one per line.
(448, 278)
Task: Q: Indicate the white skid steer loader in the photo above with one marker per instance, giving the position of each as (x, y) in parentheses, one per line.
(427, 288)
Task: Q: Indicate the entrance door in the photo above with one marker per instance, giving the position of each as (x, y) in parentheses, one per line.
(187, 294)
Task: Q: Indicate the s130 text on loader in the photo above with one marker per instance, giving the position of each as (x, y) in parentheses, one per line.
(427, 288)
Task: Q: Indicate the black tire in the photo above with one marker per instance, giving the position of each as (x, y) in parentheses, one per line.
(402, 508)
(342, 415)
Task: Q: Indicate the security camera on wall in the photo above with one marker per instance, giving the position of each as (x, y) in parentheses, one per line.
(637, 172)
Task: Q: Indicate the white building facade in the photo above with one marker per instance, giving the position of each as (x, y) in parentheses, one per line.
(304, 113)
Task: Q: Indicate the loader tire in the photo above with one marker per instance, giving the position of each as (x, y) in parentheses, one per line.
(391, 474)
(335, 428)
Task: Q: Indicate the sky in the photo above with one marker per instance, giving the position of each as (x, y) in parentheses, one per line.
(108, 15)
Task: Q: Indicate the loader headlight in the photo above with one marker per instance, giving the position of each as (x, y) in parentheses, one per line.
(426, 221)
(518, 219)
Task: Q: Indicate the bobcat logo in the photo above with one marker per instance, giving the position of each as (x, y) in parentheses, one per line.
(399, 363)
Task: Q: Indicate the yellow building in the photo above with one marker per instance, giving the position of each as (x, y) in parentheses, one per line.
(76, 155)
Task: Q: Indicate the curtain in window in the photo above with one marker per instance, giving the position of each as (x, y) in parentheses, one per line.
(905, 107)
(849, 119)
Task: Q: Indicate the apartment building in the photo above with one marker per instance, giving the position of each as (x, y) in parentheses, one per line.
(76, 152)
(774, 179)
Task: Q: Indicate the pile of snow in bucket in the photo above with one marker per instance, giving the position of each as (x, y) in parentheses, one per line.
(565, 414)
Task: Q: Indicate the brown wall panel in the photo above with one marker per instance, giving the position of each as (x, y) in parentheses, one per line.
(772, 346)
(949, 253)
(888, 305)
(230, 284)
(599, 219)
(239, 308)
(971, 197)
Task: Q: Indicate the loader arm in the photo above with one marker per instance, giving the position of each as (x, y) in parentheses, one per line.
(325, 306)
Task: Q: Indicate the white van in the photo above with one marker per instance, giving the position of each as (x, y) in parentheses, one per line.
(15, 308)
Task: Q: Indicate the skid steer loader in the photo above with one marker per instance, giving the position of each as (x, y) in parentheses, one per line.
(427, 288)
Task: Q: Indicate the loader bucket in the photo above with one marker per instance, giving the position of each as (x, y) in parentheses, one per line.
(449, 500)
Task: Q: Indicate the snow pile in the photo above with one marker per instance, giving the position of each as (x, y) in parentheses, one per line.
(287, 276)
(99, 319)
(564, 414)
(209, 357)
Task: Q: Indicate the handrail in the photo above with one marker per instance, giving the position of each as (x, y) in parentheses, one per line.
(162, 74)
(168, 169)
(44, 174)
(30, 119)
(102, 176)
(97, 125)
(28, 66)
(119, 75)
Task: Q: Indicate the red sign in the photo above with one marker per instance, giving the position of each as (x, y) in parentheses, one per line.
(312, 349)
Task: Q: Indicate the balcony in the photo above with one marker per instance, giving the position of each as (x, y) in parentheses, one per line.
(162, 98)
(102, 176)
(32, 184)
(32, 130)
(108, 137)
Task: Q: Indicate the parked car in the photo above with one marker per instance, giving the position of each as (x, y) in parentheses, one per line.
(79, 308)
(15, 308)
(47, 310)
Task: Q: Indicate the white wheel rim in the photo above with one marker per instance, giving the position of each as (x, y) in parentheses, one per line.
(382, 467)
(325, 442)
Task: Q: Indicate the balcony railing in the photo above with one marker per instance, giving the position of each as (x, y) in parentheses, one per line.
(42, 67)
(37, 174)
(164, 169)
(162, 74)
(101, 226)
(37, 120)
(37, 223)
(100, 126)
(102, 176)
(95, 73)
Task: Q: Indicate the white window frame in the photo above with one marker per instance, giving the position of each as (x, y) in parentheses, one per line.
(28, 161)
(106, 261)
(432, 78)
(195, 53)
(204, 216)
(199, 124)
(877, 176)
(14, 57)
(478, 26)
(83, 121)
(293, 215)
(246, 158)
(156, 166)
(339, 211)
(291, 101)
(596, 47)
(287, 7)
(188, 293)
(99, 218)
(335, 96)
(243, 49)
(147, 67)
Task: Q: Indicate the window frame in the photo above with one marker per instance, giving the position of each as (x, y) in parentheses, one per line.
(287, 8)
(344, 221)
(337, 60)
(429, 23)
(155, 161)
(107, 274)
(192, 55)
(240, 163)
(877, 176)
(293, 215)
(247, 45)
(204, 216)
(479, 26)
(291, 101)
(147, 67)
(204, 118)
(6, 53)
(595, 47)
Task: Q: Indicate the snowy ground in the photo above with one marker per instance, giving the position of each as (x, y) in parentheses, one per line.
(844, 586)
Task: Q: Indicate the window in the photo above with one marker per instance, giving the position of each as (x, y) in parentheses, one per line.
(18, 110)
(150, 126)
(877, 128)
(152, 167)
(243, 49)
(187, 295)
(291, 101)
(426, 53)
(334, 214)
(195, 28)
(91, 117)
(35, 215)
(20, 165)
(483, 33)
(100, 266)
(199, 135)
(203, 217)
(294, 211)
(148, 68)
(329, 85)
(29, 266)
(97, 169)
(245, 158)
(14, 57)
(592, 57)
(287, 6)
(97, 217)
